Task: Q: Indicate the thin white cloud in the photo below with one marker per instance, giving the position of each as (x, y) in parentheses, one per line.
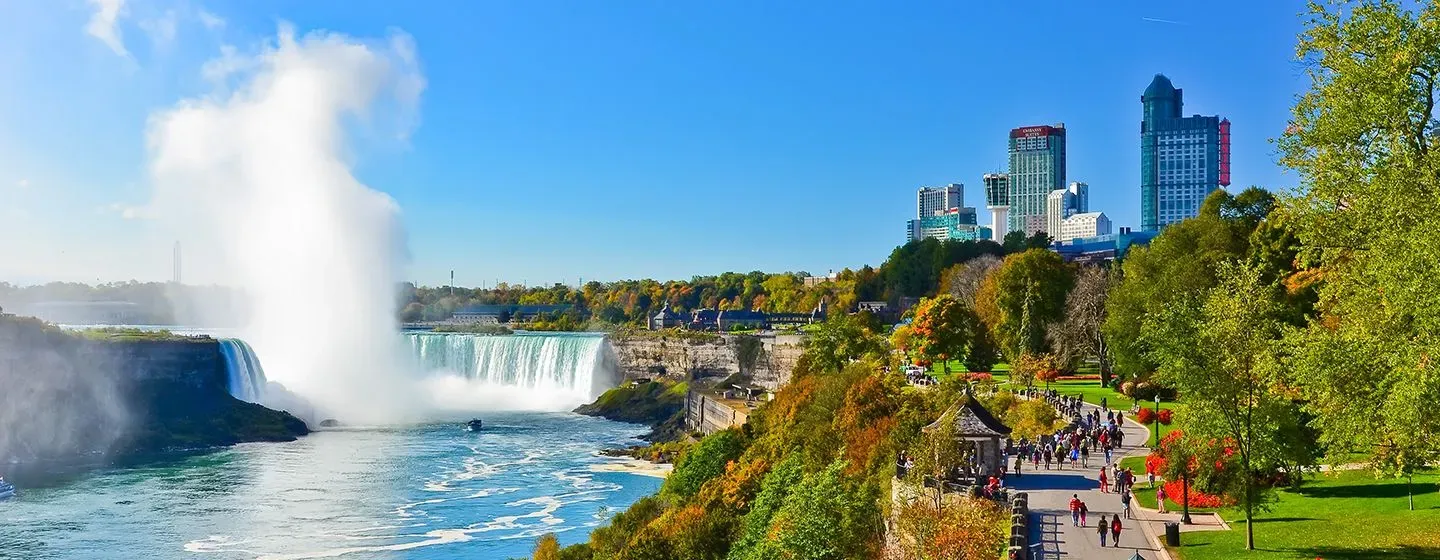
(126, 211)
(104, 24)
(161, 30)
(1159, 20)
(23, 183)
(211, 21)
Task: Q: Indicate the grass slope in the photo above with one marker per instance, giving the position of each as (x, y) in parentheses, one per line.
(1346, 516)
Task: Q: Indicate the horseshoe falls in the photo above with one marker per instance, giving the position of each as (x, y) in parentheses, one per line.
(246, 376)
(525, 371)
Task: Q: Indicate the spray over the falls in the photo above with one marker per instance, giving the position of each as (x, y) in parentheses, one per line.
(257, 176)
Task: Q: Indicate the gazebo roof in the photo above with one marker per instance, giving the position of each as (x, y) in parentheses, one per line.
(970, 420)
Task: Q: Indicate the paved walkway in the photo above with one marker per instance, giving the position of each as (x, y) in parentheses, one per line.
(1050, 493)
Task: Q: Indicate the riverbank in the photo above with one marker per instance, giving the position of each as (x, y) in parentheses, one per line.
(657, 404)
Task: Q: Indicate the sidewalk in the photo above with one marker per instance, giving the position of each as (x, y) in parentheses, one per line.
(1050, 493)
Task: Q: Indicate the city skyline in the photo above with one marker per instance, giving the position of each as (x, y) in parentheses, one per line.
(621, 117)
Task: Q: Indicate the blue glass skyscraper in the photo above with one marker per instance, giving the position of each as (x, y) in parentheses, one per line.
(1182, 159)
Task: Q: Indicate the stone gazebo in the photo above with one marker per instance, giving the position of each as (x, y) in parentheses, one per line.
(978, 430)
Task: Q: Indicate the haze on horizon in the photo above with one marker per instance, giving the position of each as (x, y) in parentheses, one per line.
(623, 141)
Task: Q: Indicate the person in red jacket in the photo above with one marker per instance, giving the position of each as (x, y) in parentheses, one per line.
(1115, 531)
(1103, 481)
(1075, 509)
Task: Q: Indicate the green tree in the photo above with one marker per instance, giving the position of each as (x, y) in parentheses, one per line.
(1030, 290)
(942, 328)
(1179, 265)
(774, 490)
(828, 516)
(1014, 242)
(982, 354)
(1217, 351)
(1363, 139)
(703, 462)
(840, 340)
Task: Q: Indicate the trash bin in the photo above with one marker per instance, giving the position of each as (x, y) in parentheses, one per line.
(1172, 534)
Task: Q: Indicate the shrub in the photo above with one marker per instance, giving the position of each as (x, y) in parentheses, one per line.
(1175, 492)
(1145, 416)
(1127, 388)
(1167, 416)
(980, 378)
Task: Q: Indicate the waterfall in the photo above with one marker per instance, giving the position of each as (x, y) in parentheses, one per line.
(563, 369)
(246, 376)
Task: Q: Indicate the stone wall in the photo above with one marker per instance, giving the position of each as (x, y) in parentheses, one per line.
(708, 415)
(692, 356)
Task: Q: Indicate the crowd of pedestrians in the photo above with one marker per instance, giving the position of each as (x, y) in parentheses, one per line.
(1096, 434)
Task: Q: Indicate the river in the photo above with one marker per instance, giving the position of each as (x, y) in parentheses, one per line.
(430, 491)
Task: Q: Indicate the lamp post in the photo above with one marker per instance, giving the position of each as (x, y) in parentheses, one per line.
(1185, 493)
(1157, 420)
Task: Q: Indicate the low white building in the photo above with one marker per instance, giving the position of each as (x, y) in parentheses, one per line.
(1088, 224)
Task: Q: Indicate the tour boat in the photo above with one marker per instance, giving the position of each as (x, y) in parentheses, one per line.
(475, 425)
(7, 490)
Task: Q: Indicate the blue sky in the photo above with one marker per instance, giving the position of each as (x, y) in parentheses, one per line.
(607, 140)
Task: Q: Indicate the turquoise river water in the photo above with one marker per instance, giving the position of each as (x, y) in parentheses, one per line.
(432, 491)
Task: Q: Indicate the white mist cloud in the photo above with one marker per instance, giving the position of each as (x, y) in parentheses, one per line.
(104, 24)
(257, 174)
(23, 183)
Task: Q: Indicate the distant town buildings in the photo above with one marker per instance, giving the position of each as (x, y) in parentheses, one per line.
(1037, 168)
(941, 214)
(1182, 159)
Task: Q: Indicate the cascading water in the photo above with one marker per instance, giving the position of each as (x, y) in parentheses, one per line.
(246, 376)
(521, 371)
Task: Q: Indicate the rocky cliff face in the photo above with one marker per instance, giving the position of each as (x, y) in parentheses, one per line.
(63, 395)
(768, 360)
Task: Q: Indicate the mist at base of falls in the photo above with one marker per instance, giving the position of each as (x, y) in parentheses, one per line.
(458, 373)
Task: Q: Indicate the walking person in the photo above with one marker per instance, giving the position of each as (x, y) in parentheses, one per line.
(1075, 510)
(1085, 455)
(1075, 459)
(1125, 502)
(1160, 499)
(1104, 526)
(1084, 509)
(1115, 530)
(1103, 489)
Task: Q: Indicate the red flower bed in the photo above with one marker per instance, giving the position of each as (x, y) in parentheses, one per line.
(979, 376)
(1175, 492)
(1079, 378)
(1145, 416)
(1167, 416)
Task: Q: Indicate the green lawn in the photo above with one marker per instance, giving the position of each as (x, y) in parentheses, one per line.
(1348, 516)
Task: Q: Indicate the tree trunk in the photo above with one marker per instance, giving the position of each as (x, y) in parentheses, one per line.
(1249, 513)
(1409, 480)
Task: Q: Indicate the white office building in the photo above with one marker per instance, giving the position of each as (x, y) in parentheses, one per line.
(1059, 204)
(1087, 224)
(934, 201)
